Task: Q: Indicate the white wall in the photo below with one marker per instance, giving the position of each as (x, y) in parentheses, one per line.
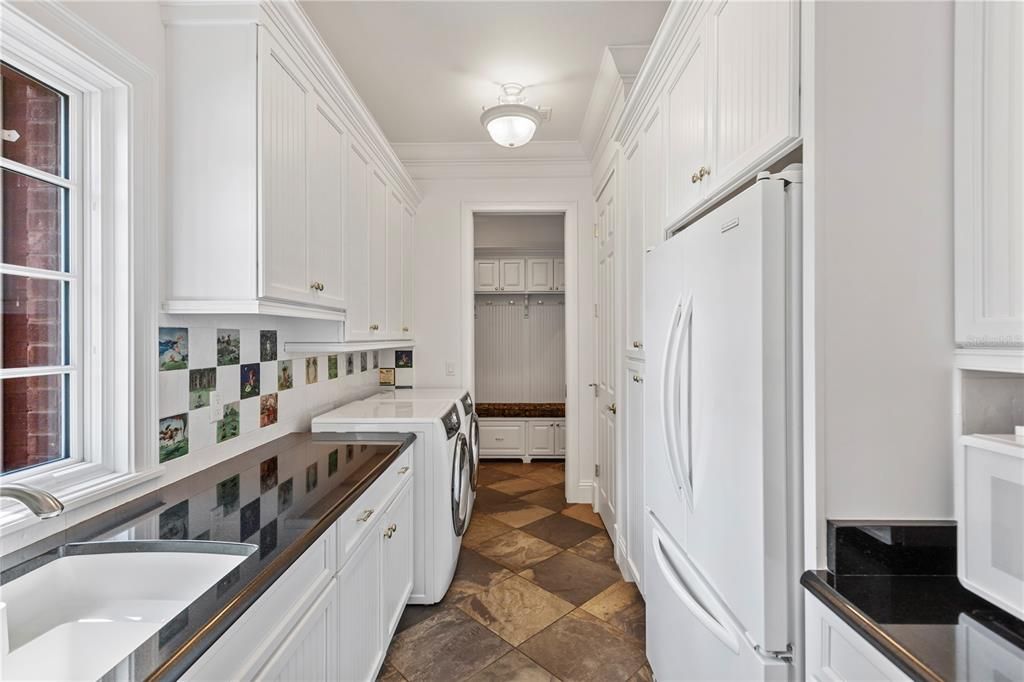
(519, 231)
(882, 162)
(439, 312)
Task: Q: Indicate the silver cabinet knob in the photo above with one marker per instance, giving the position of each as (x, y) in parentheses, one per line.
(365, 516)
(637, 379)
(403, 470)
(637, 344)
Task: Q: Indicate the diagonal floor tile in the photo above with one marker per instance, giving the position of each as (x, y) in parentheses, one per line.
(517, 513)
(447, 646)
(475, 573)
(644, 674)
(488, 498)
(597, 548)
(481, 529)
(517, 550)
(621, 606)
(515, 610)
(514, 667)
(552, 498)
(582, 647)
(416, 613)
(583, 512)
(548, 475)
(488, 474)
(560, 530)
(388, 673)
(572, 577)
(517, 486)
(514, 468)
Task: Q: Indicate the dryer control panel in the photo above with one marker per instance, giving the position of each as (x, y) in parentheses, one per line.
(451, 422)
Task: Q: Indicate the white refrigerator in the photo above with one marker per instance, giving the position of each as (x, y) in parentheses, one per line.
(722, 440)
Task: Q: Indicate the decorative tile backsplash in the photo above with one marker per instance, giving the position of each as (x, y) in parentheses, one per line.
(258, 385)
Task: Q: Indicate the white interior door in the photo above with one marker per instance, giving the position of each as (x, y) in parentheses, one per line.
(606, 351)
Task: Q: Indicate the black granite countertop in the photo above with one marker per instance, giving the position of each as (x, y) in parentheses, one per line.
(280, 497)
(896, 586)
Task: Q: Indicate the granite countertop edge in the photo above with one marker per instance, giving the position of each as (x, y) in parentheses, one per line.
(816, 583)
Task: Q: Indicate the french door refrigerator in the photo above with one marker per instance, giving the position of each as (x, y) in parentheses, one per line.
(722, 438)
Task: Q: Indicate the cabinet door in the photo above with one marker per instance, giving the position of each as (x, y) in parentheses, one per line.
(560, 438)
(540, 438)
(559, 274)
(989, 176)
(357, 244)
(327, 142)
(835, 652)
(396, 210)
(488, 277)
(378, 239)
(398, 557)
(502, 438)
(686, 130)
(753, 96)
(512, 275)
(634, 256)
(311, 650)
(540, 274)
(283, 115)
(361, 632)
(408, 271)
(634, 472)
(653, 150)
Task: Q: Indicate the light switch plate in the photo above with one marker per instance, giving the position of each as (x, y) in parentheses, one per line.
(216, 406)
(449, 368)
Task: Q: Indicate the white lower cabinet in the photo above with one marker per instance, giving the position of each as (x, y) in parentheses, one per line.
(526, 438)
(540, 438)
(835, 652)
(332, 614)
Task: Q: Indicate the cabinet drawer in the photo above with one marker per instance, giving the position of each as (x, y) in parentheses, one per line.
(836, 652)
(245, 647)
(501, 438)
(364, 513)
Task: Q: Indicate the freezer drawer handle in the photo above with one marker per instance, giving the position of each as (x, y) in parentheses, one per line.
(685, 580)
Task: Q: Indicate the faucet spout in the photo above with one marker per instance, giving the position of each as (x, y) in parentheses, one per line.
(39, 502)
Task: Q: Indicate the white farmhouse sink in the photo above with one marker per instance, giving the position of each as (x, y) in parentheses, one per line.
(78, 616)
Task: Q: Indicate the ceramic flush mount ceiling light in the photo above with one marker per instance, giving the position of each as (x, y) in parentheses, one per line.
(511, 122)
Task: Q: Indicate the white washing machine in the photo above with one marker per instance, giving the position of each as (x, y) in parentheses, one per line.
(442, 487)
(467, 411)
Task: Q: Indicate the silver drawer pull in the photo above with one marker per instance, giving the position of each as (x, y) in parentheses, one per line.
(403, 470)
(498, 438)
(365, 516)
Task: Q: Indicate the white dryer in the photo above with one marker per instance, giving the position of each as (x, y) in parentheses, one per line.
(467, 411)
(442, 495)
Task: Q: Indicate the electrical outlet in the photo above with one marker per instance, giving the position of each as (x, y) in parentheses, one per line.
(449, 369)
(216, 406)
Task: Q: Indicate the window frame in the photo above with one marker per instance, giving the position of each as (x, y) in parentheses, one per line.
(113, 103)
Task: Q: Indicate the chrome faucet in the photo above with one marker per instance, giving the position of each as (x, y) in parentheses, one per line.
(41, 503)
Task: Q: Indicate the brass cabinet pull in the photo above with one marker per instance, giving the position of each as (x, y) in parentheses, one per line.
(405, 329)
(695, 178)
(365, 516)
(611, 408)
(374, 327)
(637, 379)
(316, 286)
(402, 470)
(704, 172)
(637, 344)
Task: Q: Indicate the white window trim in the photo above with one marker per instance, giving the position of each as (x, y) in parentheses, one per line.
(118, 100)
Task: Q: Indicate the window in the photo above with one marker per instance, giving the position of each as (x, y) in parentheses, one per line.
(37, 279)
(78, 303)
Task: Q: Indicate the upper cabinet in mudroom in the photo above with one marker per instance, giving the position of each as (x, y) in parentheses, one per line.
(989, 177)
(265, 216)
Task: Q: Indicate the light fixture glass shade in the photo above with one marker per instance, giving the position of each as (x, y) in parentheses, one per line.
(511, 125)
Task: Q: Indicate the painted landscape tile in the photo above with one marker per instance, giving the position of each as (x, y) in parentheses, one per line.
(200, 383)
(362, 361)
(350, 363)
(228, 347)
(332, 462)
(173, 433)
(268, 539)
(229, 494)
(227, 428)
(332, 366)
(268, 409)
(285, 375)
(285, 491)
(312, 369)
(250, 378)
(403, 359)
(311, 477)
(386, 376)
(173, 348)
(174, 522)
(268, 345)
(268, 475)
(250, 520)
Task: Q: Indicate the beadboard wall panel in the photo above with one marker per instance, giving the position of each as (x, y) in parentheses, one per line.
(520, 349)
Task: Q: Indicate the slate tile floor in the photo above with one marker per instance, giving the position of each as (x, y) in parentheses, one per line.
(536, 595)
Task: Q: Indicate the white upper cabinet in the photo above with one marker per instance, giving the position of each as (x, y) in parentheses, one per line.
(513, 276)
(395, 319)
(652, 194)
(634, 235)
(540, 274)
(408, 271)
(989, 181)
(275, 205)
(559, 274)
(686, 113)
(488, 277)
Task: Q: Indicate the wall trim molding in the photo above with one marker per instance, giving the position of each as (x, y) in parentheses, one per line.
(429, 160)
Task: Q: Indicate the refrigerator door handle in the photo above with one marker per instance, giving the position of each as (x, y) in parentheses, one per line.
(677, 446)
(689, 585)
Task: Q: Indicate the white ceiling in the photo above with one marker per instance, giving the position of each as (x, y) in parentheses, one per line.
(426, 68)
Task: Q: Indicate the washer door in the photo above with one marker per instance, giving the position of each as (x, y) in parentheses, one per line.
(462, 485)
(474, 446)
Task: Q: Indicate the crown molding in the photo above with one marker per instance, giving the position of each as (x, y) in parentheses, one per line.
(431, 160)
(620, 65)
